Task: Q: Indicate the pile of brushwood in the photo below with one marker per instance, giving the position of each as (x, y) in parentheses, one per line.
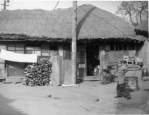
(38, 74)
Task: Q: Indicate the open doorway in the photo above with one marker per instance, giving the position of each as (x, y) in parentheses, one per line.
(92, 58)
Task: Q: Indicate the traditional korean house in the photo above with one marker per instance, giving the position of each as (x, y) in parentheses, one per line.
(142, 32)
(49, 33)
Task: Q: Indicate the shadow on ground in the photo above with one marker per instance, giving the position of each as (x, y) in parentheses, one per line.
(137, 104)
(146, 90)
(79, 81)
(146, 80)
(7, 109)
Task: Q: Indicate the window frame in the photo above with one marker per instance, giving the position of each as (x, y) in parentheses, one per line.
(15, 48)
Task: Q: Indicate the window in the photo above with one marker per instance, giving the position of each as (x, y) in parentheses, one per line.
(33, 49)
(11, 47)
(125, 47)
(101, 47)
(116, 47)
(45, 50)
(107, 47)
(45, 53)
(120, 47)
(17, 48)
(132, 47)
(53, 50)
(112, 47)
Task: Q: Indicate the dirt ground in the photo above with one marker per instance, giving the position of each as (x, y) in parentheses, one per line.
(91, 98)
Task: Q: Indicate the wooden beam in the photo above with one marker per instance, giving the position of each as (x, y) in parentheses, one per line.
(74, 42)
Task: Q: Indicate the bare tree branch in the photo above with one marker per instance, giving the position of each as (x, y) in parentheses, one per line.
(135, 10)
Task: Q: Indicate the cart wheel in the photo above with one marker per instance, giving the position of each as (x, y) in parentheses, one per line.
(112, 79)
(108, 80)
(103, 77)
(105, 80)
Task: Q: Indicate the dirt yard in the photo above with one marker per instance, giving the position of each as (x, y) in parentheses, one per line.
(91, 98)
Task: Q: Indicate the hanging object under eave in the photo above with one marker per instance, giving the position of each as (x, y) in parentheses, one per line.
(16, 57)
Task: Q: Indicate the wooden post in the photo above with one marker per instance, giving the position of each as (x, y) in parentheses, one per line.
(74, 42)
(147, 53)
(5, 4)
(61, 69)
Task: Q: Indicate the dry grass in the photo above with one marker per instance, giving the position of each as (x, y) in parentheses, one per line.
(143, 26)
(93, 23)
(142, 29)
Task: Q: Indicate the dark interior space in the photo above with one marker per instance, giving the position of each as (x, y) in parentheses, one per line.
(92, 58)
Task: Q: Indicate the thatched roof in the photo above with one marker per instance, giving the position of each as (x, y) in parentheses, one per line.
(142, 28)
(93, 23)
(140, 38)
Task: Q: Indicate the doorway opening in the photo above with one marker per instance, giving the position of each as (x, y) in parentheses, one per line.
(92, 58)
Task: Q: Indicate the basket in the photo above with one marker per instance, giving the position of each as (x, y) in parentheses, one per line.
(132, 83)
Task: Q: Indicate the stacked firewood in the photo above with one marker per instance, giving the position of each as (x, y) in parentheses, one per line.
(38, 74)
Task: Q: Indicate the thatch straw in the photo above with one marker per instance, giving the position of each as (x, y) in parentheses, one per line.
(140, 38)
(142, 29)
(143, 26)
(93, 23)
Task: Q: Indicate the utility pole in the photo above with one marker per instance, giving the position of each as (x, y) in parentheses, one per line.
(74, 42)
(5, 4)
(56, 5)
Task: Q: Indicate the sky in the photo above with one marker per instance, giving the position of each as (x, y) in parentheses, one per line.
(110, 6)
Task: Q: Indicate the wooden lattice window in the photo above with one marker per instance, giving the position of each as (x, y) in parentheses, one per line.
(33, 49)
(17, 48)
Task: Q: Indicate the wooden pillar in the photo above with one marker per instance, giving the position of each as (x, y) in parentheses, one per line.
(61, 69)
(147, 53)
(5, 4)
(3, 70)
(74, 42)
